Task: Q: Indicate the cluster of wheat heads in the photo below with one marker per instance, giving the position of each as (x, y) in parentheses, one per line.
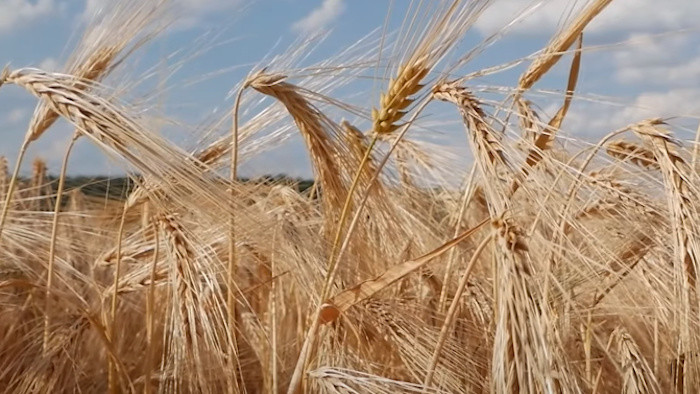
(547, 270)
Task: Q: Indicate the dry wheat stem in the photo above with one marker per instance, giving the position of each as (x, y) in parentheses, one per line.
(150, 309)
(232, 253)
(544, 140)
(111, 325)
(452, 311)
(466, 199)
(554, 51)
(696, 149)
(12, 186)
(54, 233)
(3, 176)
(344, 214)
(273, 317)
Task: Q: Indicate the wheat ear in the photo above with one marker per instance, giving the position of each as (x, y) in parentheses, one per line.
(681, 198)
(311, 125)
(636, 154)
(556, 48)
(638, 376)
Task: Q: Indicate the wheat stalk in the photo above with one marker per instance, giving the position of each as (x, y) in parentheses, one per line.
(3, 176)
(150, 310)
(561, 42)
(452, 311)
(54, 234)
(37, 183)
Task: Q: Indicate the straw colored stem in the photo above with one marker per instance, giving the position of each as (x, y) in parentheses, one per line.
(452, 312)
(54, 233)
(344, 214)
(450, 259)
(232, 253)
(112, 325)
(150, 310)
(13, 185)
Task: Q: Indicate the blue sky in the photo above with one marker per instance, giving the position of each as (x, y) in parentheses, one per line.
(643, 59)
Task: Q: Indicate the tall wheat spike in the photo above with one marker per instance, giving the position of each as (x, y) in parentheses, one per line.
(680, 196)
(521, 337)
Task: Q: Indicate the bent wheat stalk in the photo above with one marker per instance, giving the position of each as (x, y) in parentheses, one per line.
(232, 252)
(554, 51)
(452, 311)
(341, 302)
(54, 233)
(150, 308)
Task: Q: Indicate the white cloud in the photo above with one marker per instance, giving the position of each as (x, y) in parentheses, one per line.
(16, 13)
(619, 16)
(319, 18)
(17, 115)
(592, 120)
(50, 64)
(671, 103)
(204, 6)
(658, 61)
(190, 11)
(685, 72)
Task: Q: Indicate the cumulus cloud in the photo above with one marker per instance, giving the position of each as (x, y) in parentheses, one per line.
(319, 18)
(674, 102)
(592, 120)
(684, 72)
(190, 10)
(619, 16)
(658, 61)
(15, 13)
(17, 115)
(50, 64)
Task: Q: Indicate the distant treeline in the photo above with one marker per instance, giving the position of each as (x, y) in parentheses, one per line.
(119, 188)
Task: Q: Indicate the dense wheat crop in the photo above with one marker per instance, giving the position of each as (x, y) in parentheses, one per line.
(551, 268)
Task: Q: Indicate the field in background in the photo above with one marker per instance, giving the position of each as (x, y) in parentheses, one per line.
(552, 268)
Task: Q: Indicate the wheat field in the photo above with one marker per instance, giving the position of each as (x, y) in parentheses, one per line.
(549, 267)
